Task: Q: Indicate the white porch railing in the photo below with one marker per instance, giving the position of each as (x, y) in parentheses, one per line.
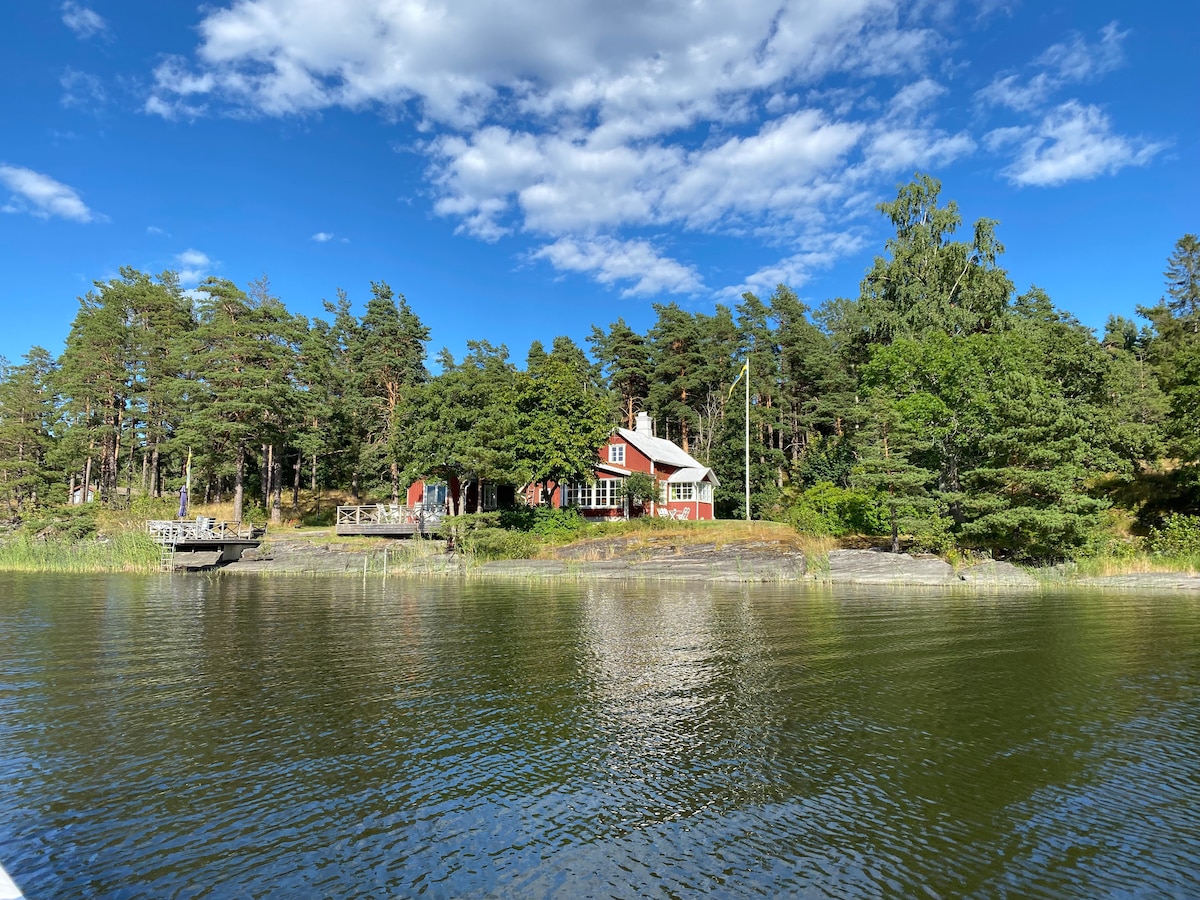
(390, 514)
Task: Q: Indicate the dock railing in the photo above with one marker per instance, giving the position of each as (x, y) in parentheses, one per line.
(204, 528)
(390, 514)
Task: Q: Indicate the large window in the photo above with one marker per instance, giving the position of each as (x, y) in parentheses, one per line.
(687, 491)
(604, 494)
(682, 491)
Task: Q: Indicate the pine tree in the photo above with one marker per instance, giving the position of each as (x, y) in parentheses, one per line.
(243, 354)
(387, 356)
(626, 362)
(27, 418)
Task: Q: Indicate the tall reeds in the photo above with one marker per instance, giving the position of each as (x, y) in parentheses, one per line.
(123, 552)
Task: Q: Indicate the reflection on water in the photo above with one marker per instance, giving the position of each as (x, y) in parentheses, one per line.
(306, 737)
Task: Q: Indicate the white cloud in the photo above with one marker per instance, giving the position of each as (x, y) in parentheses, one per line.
(1074, 142)
(579, 122)
(42, 196)
(1073, 62)
(819, 251)
(155, 230)
(82, 90)
(85, 22)
(1078, 61)
(322, 237)
(610, 261)
(194, 266)
(640, 68)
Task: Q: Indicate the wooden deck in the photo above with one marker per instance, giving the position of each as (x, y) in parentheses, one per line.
(204, 542)
(389, 520)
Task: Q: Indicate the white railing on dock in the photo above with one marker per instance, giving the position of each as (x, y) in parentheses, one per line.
(390, 514)
(175, 531)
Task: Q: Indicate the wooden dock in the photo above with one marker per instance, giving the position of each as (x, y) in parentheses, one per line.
(390, 520)
(203, 543)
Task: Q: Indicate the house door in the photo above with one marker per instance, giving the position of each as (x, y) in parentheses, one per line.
(435, 496)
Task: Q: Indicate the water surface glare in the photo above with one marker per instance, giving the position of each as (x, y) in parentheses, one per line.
(243, 737)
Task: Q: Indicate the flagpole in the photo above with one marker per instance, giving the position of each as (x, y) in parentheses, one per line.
(747, 438)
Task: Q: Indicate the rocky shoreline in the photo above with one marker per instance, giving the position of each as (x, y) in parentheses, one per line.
(665, 559)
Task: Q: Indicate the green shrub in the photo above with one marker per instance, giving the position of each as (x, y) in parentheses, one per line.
(828, 509)
(543, 520)
(1177, 535)
(319, 517)
(66, 523)
(498, 543)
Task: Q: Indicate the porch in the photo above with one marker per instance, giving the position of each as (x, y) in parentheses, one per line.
(389, 520)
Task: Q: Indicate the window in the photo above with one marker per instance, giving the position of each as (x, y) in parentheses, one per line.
(435, 495)
(683, 491)
(616, 454)
(604, 494)
(489, 497)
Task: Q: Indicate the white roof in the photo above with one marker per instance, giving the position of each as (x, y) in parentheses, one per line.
(660, 450)
(696, 474)
(604, 467)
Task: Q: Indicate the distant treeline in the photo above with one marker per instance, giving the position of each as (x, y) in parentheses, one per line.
(938, 406)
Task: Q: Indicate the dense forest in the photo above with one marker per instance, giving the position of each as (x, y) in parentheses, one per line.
(937, 407)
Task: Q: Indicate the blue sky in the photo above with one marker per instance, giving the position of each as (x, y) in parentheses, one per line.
(526, 169)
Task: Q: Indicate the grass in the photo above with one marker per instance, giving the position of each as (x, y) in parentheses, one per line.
(651, 533)
(126, 552)
(1135, 564)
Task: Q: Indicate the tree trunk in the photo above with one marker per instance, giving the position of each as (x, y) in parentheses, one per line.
(87, 480)
(266, 476)
(395, 472)
(239, 482)
(296, 478)
(276, 487)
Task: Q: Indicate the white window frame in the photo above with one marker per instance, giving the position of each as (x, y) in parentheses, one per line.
(490, 497)
(616, 454)
(604, 493)
(682, 492)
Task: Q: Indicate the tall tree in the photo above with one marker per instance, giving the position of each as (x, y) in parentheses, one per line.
(244, 355)
(27, 416)
(95, 378)
(464, 424)
(931, 282)
(625, 358)
(562, 415)
(388, 363)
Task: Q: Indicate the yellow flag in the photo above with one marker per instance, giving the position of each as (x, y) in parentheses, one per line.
(745, 369)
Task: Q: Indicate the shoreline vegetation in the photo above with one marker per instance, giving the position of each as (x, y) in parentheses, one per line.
(640, 549)
(940, 408)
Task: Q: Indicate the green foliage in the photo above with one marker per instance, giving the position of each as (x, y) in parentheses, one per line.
(66, 523)
(323, 517)
(126, 552)
(498, 543)
(562, 416)
(544, 520)
(829, 509)
(935, 404)
(640, 489)
(1178, 535)
(462, 424)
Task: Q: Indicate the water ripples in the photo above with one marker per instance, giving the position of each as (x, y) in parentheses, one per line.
(239, 738)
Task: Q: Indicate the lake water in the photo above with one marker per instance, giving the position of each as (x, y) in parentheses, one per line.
(236, 737)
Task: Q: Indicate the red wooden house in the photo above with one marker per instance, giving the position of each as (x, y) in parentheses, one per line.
(685, 484)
